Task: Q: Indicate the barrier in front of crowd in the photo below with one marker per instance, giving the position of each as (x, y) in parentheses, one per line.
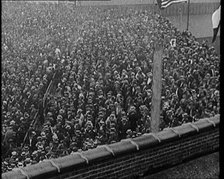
(145, 154)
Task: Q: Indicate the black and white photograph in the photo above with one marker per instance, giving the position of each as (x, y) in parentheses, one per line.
(110, 89)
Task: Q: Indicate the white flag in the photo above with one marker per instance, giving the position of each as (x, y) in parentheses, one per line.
(216, 22)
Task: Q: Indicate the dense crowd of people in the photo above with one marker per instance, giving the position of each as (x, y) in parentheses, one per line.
(76, 78)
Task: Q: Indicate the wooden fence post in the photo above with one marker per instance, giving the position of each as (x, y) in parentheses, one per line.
(156, 88)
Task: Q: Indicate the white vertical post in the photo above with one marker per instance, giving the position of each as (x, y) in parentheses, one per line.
(188, 13)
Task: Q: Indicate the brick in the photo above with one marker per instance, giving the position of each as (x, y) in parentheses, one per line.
(185, 130)
(145, 141)
(43, 169)
(70, 162)
(13, 174)
(97, 154)
(203, 125)
(122, 148)
(167, 136)
(216, 119)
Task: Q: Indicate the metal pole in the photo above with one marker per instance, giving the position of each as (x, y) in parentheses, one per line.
(188, 12)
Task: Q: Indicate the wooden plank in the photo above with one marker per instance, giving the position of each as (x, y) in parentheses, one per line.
(156, 89)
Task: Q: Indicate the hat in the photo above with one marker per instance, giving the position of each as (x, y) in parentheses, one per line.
(39, 138)
(5, 163)
(34, 162)
(124, 119)
(11, 160)
(78, 132)
(34, 153)
(47, 123)
(26, 148)
(61, 111)
(14, 153)
(112, 129)
(43, 133)
(47, 148)
(27, 160)
(33, 132)
(20, 164)
(67, 127)
(12, 122)
(49, 114)
(59, 116)
(129, 131)
(26, 115)
(9, 168)
(88, 123)
(216, 92)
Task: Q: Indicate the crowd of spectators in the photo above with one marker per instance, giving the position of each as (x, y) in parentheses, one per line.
(76, 78)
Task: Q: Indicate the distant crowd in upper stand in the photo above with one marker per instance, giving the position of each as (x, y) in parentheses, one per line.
(99, 64)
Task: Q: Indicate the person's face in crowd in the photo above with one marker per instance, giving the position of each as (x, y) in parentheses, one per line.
(109, 95)
(216, 94)
(167, 93)
(184, 96)
(112, 117)
(149, 93)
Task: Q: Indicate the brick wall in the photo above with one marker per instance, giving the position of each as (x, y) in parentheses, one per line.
(130, 158)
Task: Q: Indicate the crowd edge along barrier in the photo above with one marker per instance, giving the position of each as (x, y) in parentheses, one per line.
(131, 157)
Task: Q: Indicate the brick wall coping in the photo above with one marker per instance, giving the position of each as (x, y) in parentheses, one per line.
(53, 167)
